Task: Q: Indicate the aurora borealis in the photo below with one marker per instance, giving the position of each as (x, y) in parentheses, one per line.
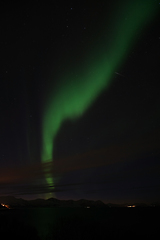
(79, 100)
(80, 89)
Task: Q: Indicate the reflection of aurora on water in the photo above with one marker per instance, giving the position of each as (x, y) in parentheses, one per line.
(76, 92)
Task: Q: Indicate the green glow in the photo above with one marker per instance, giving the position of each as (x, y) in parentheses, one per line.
(76, 92)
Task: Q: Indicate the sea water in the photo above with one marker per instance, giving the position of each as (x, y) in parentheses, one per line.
(114, 222)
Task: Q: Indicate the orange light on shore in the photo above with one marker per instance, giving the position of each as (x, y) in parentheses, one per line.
(5, 205)
(130, 206)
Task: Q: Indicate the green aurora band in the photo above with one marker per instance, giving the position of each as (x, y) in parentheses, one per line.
(77, 92)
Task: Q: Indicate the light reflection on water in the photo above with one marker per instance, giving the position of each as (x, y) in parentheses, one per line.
(98, 221)
(44, 219)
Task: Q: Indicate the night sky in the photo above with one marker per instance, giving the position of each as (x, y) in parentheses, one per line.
(79, 100)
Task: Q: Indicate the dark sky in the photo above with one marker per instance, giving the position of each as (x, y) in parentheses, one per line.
(79, 100)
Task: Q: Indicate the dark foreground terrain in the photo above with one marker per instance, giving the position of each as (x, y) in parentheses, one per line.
(78, 223)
